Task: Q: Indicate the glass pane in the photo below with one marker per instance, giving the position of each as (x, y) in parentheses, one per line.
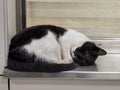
(99, 19)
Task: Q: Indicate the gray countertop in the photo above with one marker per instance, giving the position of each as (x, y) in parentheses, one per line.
(107, 67)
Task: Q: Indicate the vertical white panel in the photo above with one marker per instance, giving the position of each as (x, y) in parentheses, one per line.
(2, 41)
(3, 83)
(61, 84)
(7, 28)
(7, 22)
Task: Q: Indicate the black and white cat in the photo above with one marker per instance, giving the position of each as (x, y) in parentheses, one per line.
(49, 48)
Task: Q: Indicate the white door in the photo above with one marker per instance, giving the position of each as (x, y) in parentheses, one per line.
(3, 81)
(62, 84)
(2, 38)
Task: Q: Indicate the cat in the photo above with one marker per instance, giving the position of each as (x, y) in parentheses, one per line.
(50, 48)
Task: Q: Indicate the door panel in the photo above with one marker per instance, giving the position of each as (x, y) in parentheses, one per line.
(3, 83)
(2, 40)
(61, 84)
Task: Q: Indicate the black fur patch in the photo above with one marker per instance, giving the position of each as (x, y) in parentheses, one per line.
(21, 55)
(35, 32)
(39, 66)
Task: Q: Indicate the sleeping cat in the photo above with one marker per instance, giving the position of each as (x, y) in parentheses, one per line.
(49, 48)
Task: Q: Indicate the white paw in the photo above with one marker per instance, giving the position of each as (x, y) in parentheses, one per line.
(64, 62)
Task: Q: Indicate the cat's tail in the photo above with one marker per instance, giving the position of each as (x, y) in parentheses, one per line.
(39, 66)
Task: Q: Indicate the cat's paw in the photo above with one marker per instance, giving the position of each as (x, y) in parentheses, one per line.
(65, 61)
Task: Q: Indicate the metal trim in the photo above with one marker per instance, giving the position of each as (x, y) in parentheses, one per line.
(23, 5)
(20, 15)
(6, 39)
(107, 38)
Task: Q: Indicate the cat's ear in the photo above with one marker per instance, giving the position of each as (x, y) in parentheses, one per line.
(102, 52)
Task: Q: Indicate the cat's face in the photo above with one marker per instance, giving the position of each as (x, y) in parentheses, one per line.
(87, 54)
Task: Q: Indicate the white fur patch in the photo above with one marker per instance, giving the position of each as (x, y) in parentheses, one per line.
(46, 48)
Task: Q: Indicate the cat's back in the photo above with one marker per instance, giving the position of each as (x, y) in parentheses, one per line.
(35, 32)
(73, 35)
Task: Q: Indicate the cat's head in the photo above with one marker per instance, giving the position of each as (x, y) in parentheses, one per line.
(87, 54)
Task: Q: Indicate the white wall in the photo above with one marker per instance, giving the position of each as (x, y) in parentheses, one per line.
(3, 81)
(2, 43)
